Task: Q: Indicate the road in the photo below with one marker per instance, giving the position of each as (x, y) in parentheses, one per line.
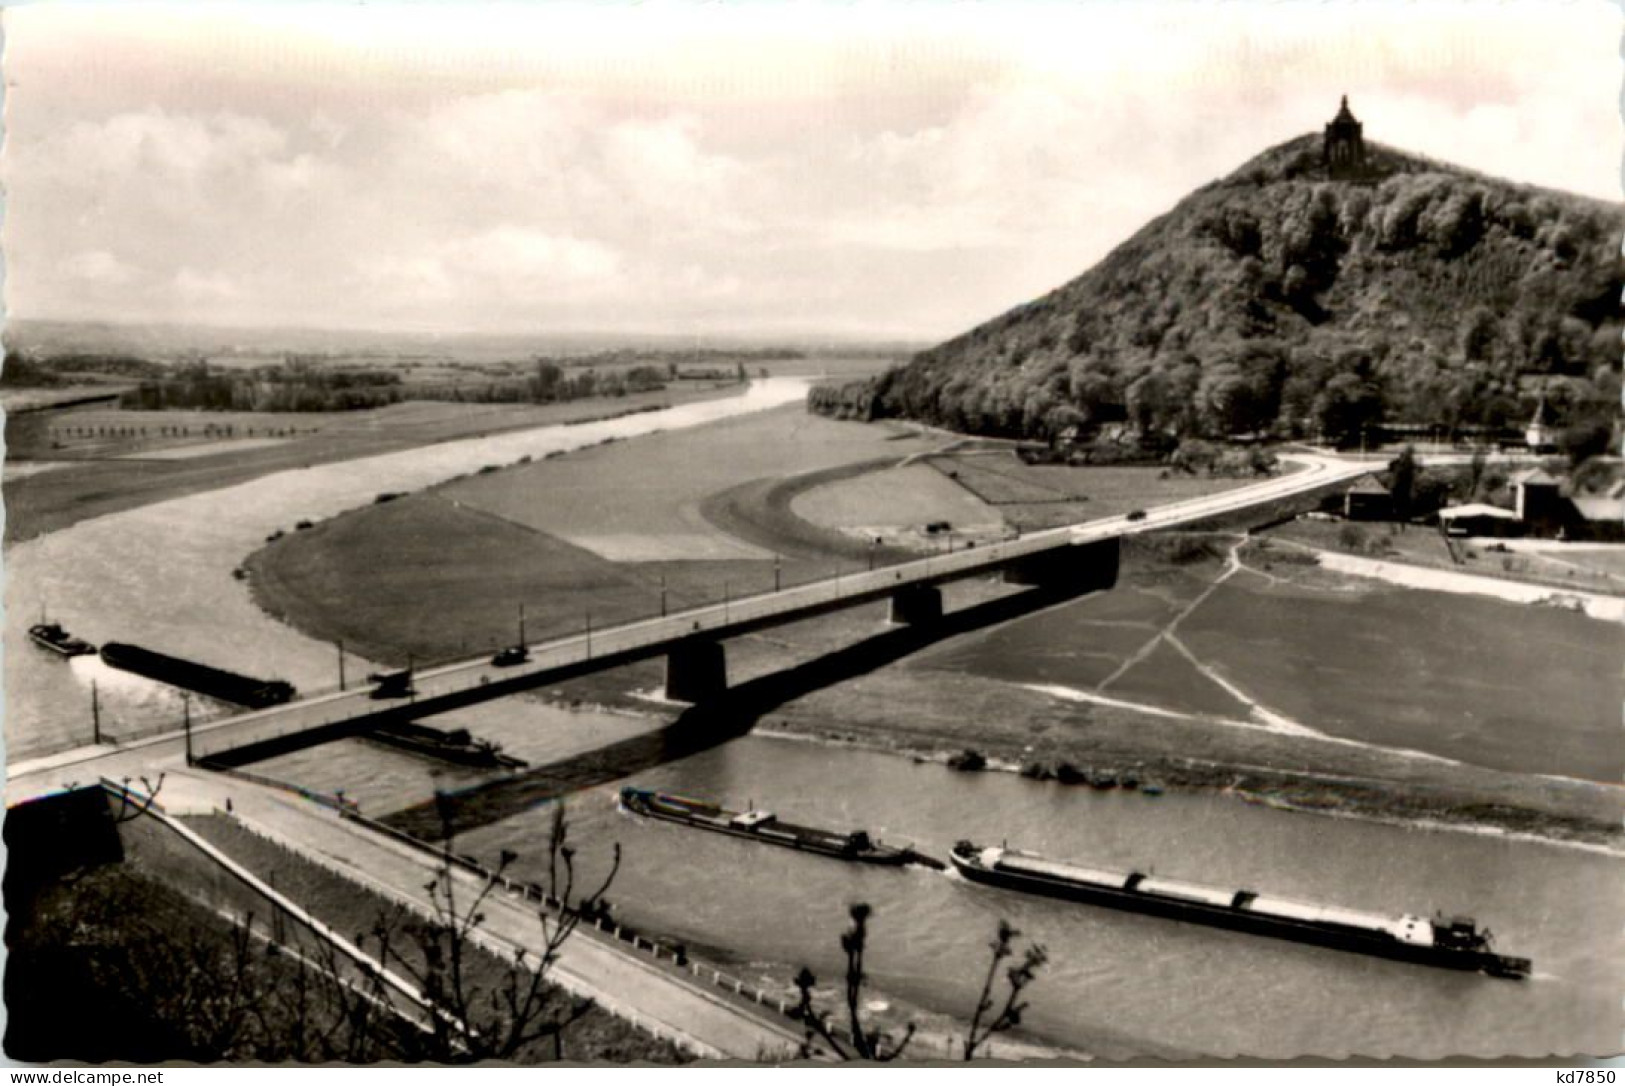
(657, 995)
(592, 650)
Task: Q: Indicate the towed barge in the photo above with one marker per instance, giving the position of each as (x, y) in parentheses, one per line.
(764, 826)
(212, 682)
(458, 746)
(1453, 943)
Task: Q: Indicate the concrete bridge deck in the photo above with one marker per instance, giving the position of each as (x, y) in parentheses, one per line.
(690, 639)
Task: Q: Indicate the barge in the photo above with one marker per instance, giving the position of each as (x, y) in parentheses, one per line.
(457, 746)
(1453, 943)
(51, 636)
(212, 682)
(764, 826)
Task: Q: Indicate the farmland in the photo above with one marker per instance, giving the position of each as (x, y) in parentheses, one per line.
(1023, 496)
(105, 466)
(1498, 685)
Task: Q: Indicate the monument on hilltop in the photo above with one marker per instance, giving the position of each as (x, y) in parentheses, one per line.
(1343, 147)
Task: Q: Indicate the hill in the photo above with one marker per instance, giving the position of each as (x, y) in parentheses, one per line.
(1277, 299)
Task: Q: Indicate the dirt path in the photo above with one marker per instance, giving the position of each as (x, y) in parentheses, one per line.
(1169, 634)
(1406, 575)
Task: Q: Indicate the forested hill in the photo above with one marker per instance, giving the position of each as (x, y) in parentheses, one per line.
(1277, 300)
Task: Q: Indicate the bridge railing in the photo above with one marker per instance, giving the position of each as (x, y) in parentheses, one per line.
(717, 617)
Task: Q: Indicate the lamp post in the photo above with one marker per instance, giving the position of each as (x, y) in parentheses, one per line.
(662, 595)
(777, 570)
(95, 715)
(589, 635)
(186, 725)
(340, 645)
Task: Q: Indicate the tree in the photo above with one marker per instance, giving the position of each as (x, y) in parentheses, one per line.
(992, 1018)
(1586, 438)
(1402, 484)
(1346, 406)
(471, 1020)
(545, 384)
(858, 1040)
(1478, 334)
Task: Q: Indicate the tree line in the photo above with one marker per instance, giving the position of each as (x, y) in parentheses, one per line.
(1271, 303)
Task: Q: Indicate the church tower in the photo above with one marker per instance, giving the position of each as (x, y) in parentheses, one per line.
(1343, 150)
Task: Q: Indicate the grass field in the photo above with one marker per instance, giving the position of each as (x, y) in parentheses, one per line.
(442, 573)
(1035, 496)
(1523, 689)
(101, 477)
(422, 577)
(896, 504)
(1493, 684)
(641, 501)
(438, 573)
(1610, 562)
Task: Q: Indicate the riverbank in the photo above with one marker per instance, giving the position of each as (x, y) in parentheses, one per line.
(147, 575)
(1550, 810)
(940, 701)
(127, 475)
(347, 906)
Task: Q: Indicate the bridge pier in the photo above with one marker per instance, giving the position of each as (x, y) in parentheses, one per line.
(696, 670)
(1091, 567)
(915, 605)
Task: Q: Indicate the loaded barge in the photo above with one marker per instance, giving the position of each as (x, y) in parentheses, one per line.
(457, 746)
(1454, 943)
(857, 846)
(221, 685)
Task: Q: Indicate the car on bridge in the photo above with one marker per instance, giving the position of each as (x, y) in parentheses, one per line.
(394, 684)
(511, 656)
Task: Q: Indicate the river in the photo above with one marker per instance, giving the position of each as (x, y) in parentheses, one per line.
(161, 575)
(1118, 984)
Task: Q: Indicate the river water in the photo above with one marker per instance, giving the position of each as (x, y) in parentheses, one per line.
(161, 575)
(1118, 984)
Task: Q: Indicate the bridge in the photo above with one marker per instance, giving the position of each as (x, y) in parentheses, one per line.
(1081, 557)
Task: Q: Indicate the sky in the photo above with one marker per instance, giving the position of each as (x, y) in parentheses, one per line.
(885, 170)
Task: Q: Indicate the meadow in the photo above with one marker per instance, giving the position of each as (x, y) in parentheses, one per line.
(441, 573)
(1502, 686)
(641, 501)
(106, 464)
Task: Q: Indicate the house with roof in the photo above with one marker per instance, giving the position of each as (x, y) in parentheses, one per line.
(1542, 509)
(1368, 499)
(1537, 499)
(1479, 520)
(1601, 516)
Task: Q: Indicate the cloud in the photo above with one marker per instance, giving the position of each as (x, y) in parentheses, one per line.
(205, 288)
(97, 266)
(911, 171)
